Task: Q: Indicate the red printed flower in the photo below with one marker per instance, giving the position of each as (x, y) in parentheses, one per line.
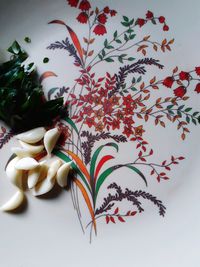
(184, 76)
(84, 5)
(113, 13)
(89, 98)
(197, 69)
(82, 17)
(90, 122)
(139, 130)
(197, 89)
(115, 124)
(65, 134)
(102, 92)
(128, 120)
(127, 100)
(114, 100)
(99, 127)
(100, 29)
(99, 114)
(161, 19)
(97, 100)
(180, 91)
(149, 15)
(102, 18)
(119, 115)
(73, 3)
(128, 110)
(106, 10)
(127, 131)
(107, 107)
(168, 82)
(88, 110)
(140, 22)
(165, 28)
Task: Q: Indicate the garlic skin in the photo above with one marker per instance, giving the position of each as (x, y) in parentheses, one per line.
(32, 136)
(14, 175)
(50, 139)
(14, 202)
(33, 149)
(26, 163)
(62, 174)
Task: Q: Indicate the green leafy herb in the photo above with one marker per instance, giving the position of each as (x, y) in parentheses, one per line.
(27, 40)
(46, 60)
(22, 102)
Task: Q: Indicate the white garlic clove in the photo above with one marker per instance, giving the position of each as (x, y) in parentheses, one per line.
(62, 174)
(50, 139)
(13, 174)
(33, 176)
(54, 166)
(43, 187)
(27, 163)
(14, 202)
(20, 152)
(32, 136)
(33, 149)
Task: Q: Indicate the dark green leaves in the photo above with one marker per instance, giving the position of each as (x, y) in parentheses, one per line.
(22, 102)
(127, 22)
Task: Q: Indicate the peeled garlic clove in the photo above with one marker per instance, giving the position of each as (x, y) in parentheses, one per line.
(54, 166)
(32, 136)
(31, 148)
(20, 152)
(13, 174)
(43, 187)
(50, 139)
(14, 202)
(26, 164)
(62, 174)
(33, 176)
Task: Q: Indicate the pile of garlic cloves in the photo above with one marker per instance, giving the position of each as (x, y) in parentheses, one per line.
(41, 176)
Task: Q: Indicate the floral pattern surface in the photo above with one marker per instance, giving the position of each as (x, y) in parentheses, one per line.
(107, 111)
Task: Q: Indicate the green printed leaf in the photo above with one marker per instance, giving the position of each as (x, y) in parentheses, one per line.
(136, 170)
(118, 41)
(96, 154)
(68, 120)
(188, 109)
(125, 18)
(108, 59)
(115, 34)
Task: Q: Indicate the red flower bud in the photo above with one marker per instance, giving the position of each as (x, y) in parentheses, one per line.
(184, 76)
(100, 29)
(84, 5)
(168, 82)
(197, 89)
(180, 91)
(165, 28)
(197, 69)
(113, 13)
(149, 15)
(73, 3)
(140, 22)
(102, 18)
(82, 17)
(106, 10)
(161, 19)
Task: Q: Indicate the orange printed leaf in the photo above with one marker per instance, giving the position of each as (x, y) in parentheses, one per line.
(87, 200)
(171, 41)
(146, 37)
(90, 53)
(47, 74)
(80, 164)
(155, 47)
(72, 34)
(164, 42)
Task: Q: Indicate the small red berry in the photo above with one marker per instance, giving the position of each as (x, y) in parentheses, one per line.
(161, 19)
(197, 69)
(165, 28)
(113, 13)
(106, 10)
(197, 89)
(140, 22)
(149, 15)
(102, 18)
